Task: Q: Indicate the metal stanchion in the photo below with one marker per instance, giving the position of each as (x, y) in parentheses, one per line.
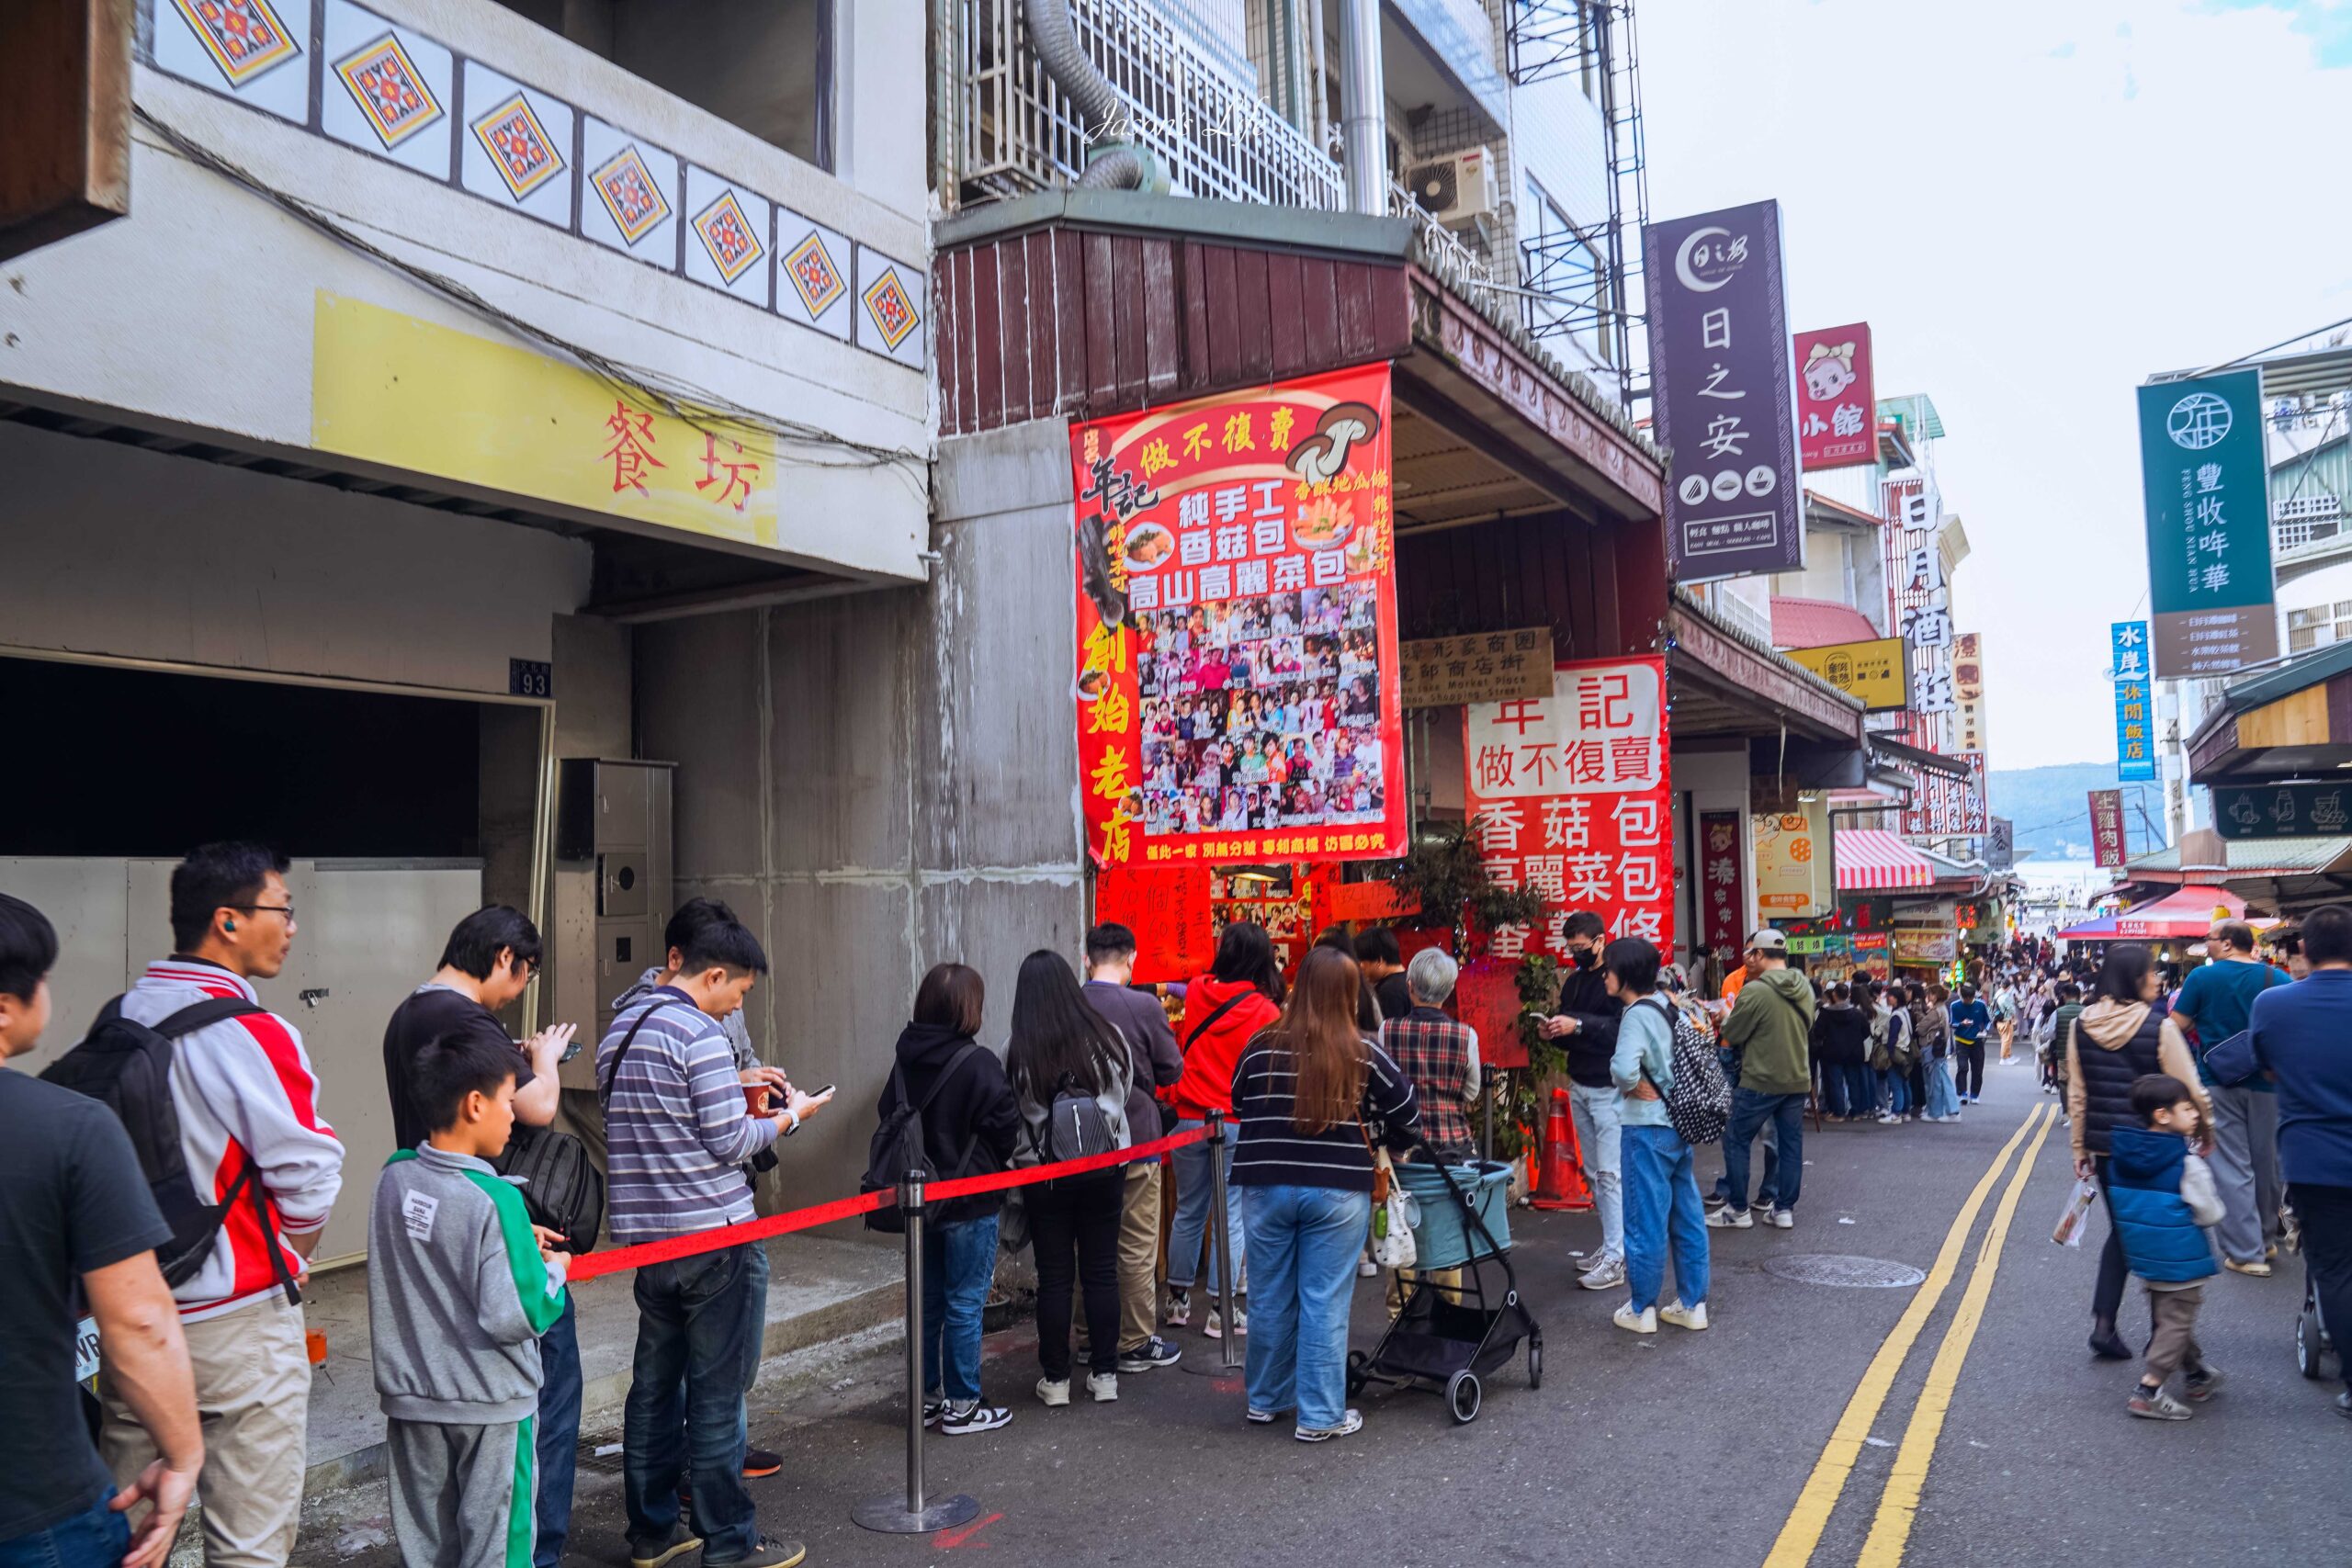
(912, 1514)
(1228, 1348)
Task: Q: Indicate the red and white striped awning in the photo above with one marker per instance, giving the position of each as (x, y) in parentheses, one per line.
(1869, 859)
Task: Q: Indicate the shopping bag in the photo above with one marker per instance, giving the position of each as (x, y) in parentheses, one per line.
(2075, 1218)
(1392, 1222)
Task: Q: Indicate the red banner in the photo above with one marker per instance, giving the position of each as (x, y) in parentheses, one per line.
(2107, 828)
(1836, 406)
(1486, 996)
(1168, 908)
(1723, 890)
(1237, 694)
(1571, 795)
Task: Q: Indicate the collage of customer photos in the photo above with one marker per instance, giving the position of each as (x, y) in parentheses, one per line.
(1262, 713)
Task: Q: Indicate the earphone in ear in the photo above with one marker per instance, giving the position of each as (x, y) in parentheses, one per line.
(228, 925)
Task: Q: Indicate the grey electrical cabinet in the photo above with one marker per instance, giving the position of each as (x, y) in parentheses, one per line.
(613, 825)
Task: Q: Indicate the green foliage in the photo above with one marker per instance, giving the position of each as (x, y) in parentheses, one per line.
(1445, 872)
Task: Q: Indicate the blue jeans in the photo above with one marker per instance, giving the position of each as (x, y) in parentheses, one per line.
(95, 1538)
(1750, 1112)
(1187, 1258)
(1305, 1240)
(559, 1441)
(1861, 1093)
(1942, 1098)
(1894, 1091)
(1662, 1199)
(1600, 1116)
(958, 1265)
(700, 1323)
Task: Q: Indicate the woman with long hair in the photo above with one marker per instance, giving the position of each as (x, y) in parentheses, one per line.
(972, 1119)
(1061, 1046)
(1308, 1093)
(1241, 994)
(2120, 1037)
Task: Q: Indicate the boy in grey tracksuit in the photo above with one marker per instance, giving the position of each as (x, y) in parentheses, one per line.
(459, 1292)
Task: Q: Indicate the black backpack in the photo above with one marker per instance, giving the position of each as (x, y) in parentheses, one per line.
(897, 1146)
(562, 1187)
(1074, 1124)
(127, 1066)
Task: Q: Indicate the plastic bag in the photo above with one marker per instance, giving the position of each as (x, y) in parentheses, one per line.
(1392, 1230)
(2075, 1218)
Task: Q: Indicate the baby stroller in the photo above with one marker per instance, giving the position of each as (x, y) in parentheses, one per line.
(1450, 1336)
(2316, 1353)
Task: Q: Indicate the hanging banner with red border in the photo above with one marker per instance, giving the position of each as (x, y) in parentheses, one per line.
(1837, 402)
(1571, 797)
(1723, 893)
(1236, 689)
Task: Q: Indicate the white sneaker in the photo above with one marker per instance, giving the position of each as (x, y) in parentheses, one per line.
(1642, 1322)
(1784, 1220)
(1888, 1119)
(1053, 1391)
(1694, 1318)
(1605, 1275)
(1214, 1327)
(1730, 1219)
(1103, 1386)
(1180, 1309)
(1366, 1269)
(1350, 1423)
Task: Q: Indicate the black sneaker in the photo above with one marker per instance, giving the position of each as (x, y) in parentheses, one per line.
(655, 1553)
(758, 1464)
(977, 1417)
(766, 1553)
(1153, 1352)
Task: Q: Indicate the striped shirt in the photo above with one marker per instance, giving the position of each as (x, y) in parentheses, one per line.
(1273, 1153)
(677, 1129)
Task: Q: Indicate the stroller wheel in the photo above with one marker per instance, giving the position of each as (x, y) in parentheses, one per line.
(1358, 1363)
(2308, 1354)
(1462, 1395)
(1535, 1363)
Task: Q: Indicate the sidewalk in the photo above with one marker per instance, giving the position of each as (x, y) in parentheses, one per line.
(819, 1288)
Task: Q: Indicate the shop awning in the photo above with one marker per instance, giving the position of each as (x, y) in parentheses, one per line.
(2186, 913)
(1869, 859)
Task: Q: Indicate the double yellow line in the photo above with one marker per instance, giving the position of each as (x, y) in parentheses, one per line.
(1891, 1530)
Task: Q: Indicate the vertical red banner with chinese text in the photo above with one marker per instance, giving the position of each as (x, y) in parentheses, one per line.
(1723, 892)
(1571, 793)
(1837, 402)
(1236, 685)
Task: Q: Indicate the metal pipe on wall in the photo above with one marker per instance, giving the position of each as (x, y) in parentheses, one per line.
(1363, 109)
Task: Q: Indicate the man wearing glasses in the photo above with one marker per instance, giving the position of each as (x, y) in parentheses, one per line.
(247, 1104)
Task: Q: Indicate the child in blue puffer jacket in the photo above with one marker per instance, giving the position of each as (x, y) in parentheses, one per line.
(2161, 1196)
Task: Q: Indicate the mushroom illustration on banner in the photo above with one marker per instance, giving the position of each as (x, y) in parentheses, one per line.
(1323, 457)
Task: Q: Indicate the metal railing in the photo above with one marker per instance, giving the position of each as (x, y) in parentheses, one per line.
(1014, 132)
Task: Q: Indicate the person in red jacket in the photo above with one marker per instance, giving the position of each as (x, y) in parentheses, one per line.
(1224, 1010)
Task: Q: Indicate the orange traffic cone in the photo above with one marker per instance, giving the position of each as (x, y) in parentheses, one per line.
(1560, 1181)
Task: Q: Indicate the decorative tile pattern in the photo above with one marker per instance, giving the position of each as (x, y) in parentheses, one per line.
(892, 312)
(518, 146)
(726, 232)
(244, 38)
(814, 276)
(390, 90)
(631, 196)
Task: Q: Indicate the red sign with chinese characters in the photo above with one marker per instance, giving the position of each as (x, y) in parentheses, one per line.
(1836, 405)
(1168, 908)
(1237, 694)
(1571, 796)
(1723, 892)
(2107, 828)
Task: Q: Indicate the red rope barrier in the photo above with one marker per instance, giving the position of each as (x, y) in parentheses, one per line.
(594, 1265)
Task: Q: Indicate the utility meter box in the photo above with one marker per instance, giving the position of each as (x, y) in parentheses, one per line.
(612, 887)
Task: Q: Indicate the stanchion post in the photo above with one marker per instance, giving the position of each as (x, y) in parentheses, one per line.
(912, 1514)
(1229, 1347)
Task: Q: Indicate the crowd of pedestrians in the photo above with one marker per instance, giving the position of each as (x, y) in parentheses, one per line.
(192, 1257)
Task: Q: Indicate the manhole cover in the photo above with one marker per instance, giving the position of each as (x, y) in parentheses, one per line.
(1840, 1268)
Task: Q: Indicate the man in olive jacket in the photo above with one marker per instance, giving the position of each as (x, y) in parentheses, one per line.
(1769, 1026)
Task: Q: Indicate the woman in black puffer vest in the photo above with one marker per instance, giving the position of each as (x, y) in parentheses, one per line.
(2120, 1037)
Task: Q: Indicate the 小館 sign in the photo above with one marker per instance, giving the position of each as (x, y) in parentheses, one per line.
(1837, 403)
(1237, 684)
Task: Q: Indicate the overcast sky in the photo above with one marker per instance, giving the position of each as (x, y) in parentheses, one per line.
(2035, 204)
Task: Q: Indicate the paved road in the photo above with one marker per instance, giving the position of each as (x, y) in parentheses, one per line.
(1996, 1426)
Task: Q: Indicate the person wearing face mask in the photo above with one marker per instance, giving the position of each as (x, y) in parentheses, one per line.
(1586, 1025)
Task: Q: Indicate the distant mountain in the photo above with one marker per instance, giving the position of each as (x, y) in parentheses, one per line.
(2052, 808)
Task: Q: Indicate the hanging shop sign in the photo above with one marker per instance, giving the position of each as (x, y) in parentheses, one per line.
(1793, 873)
(2107, 828)
(1484, 667)
(1723, 397)
(1976, 819)
(1877, 671)
(1723, 896)
(1570, 796)
(2205, 478)
(2001, 844)
(1814, 945)
(1870, 941)
(1836, 404)
(2135, 750)
(2283, 811)
(1237, 684)
(1926, 946)
(1968, 688)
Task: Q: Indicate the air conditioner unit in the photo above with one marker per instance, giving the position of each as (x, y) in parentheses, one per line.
(1458, 185)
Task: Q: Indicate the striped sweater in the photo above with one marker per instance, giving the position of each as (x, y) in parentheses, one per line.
(1273, 1153)
(677, 1130)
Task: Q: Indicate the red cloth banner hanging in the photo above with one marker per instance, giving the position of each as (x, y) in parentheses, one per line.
(1723, 892)
(1571, 794)
(1238, 688)
(1168, 908)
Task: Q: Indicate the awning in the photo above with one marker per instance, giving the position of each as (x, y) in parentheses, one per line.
(2186, 913)
(1869, 859)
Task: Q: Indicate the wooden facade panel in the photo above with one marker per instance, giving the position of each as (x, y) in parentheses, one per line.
(1354, 281)
(1552, 570)
(1162, 352)
(1251, 308)
(1285, 325)
(947, 339)
(1127, 315)
(1044, 322)
(1018, 322)
(1099, 303)
(988, 340)
(1194, 287)
(1070, 313)
(1225, 318)
(1319, 312)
